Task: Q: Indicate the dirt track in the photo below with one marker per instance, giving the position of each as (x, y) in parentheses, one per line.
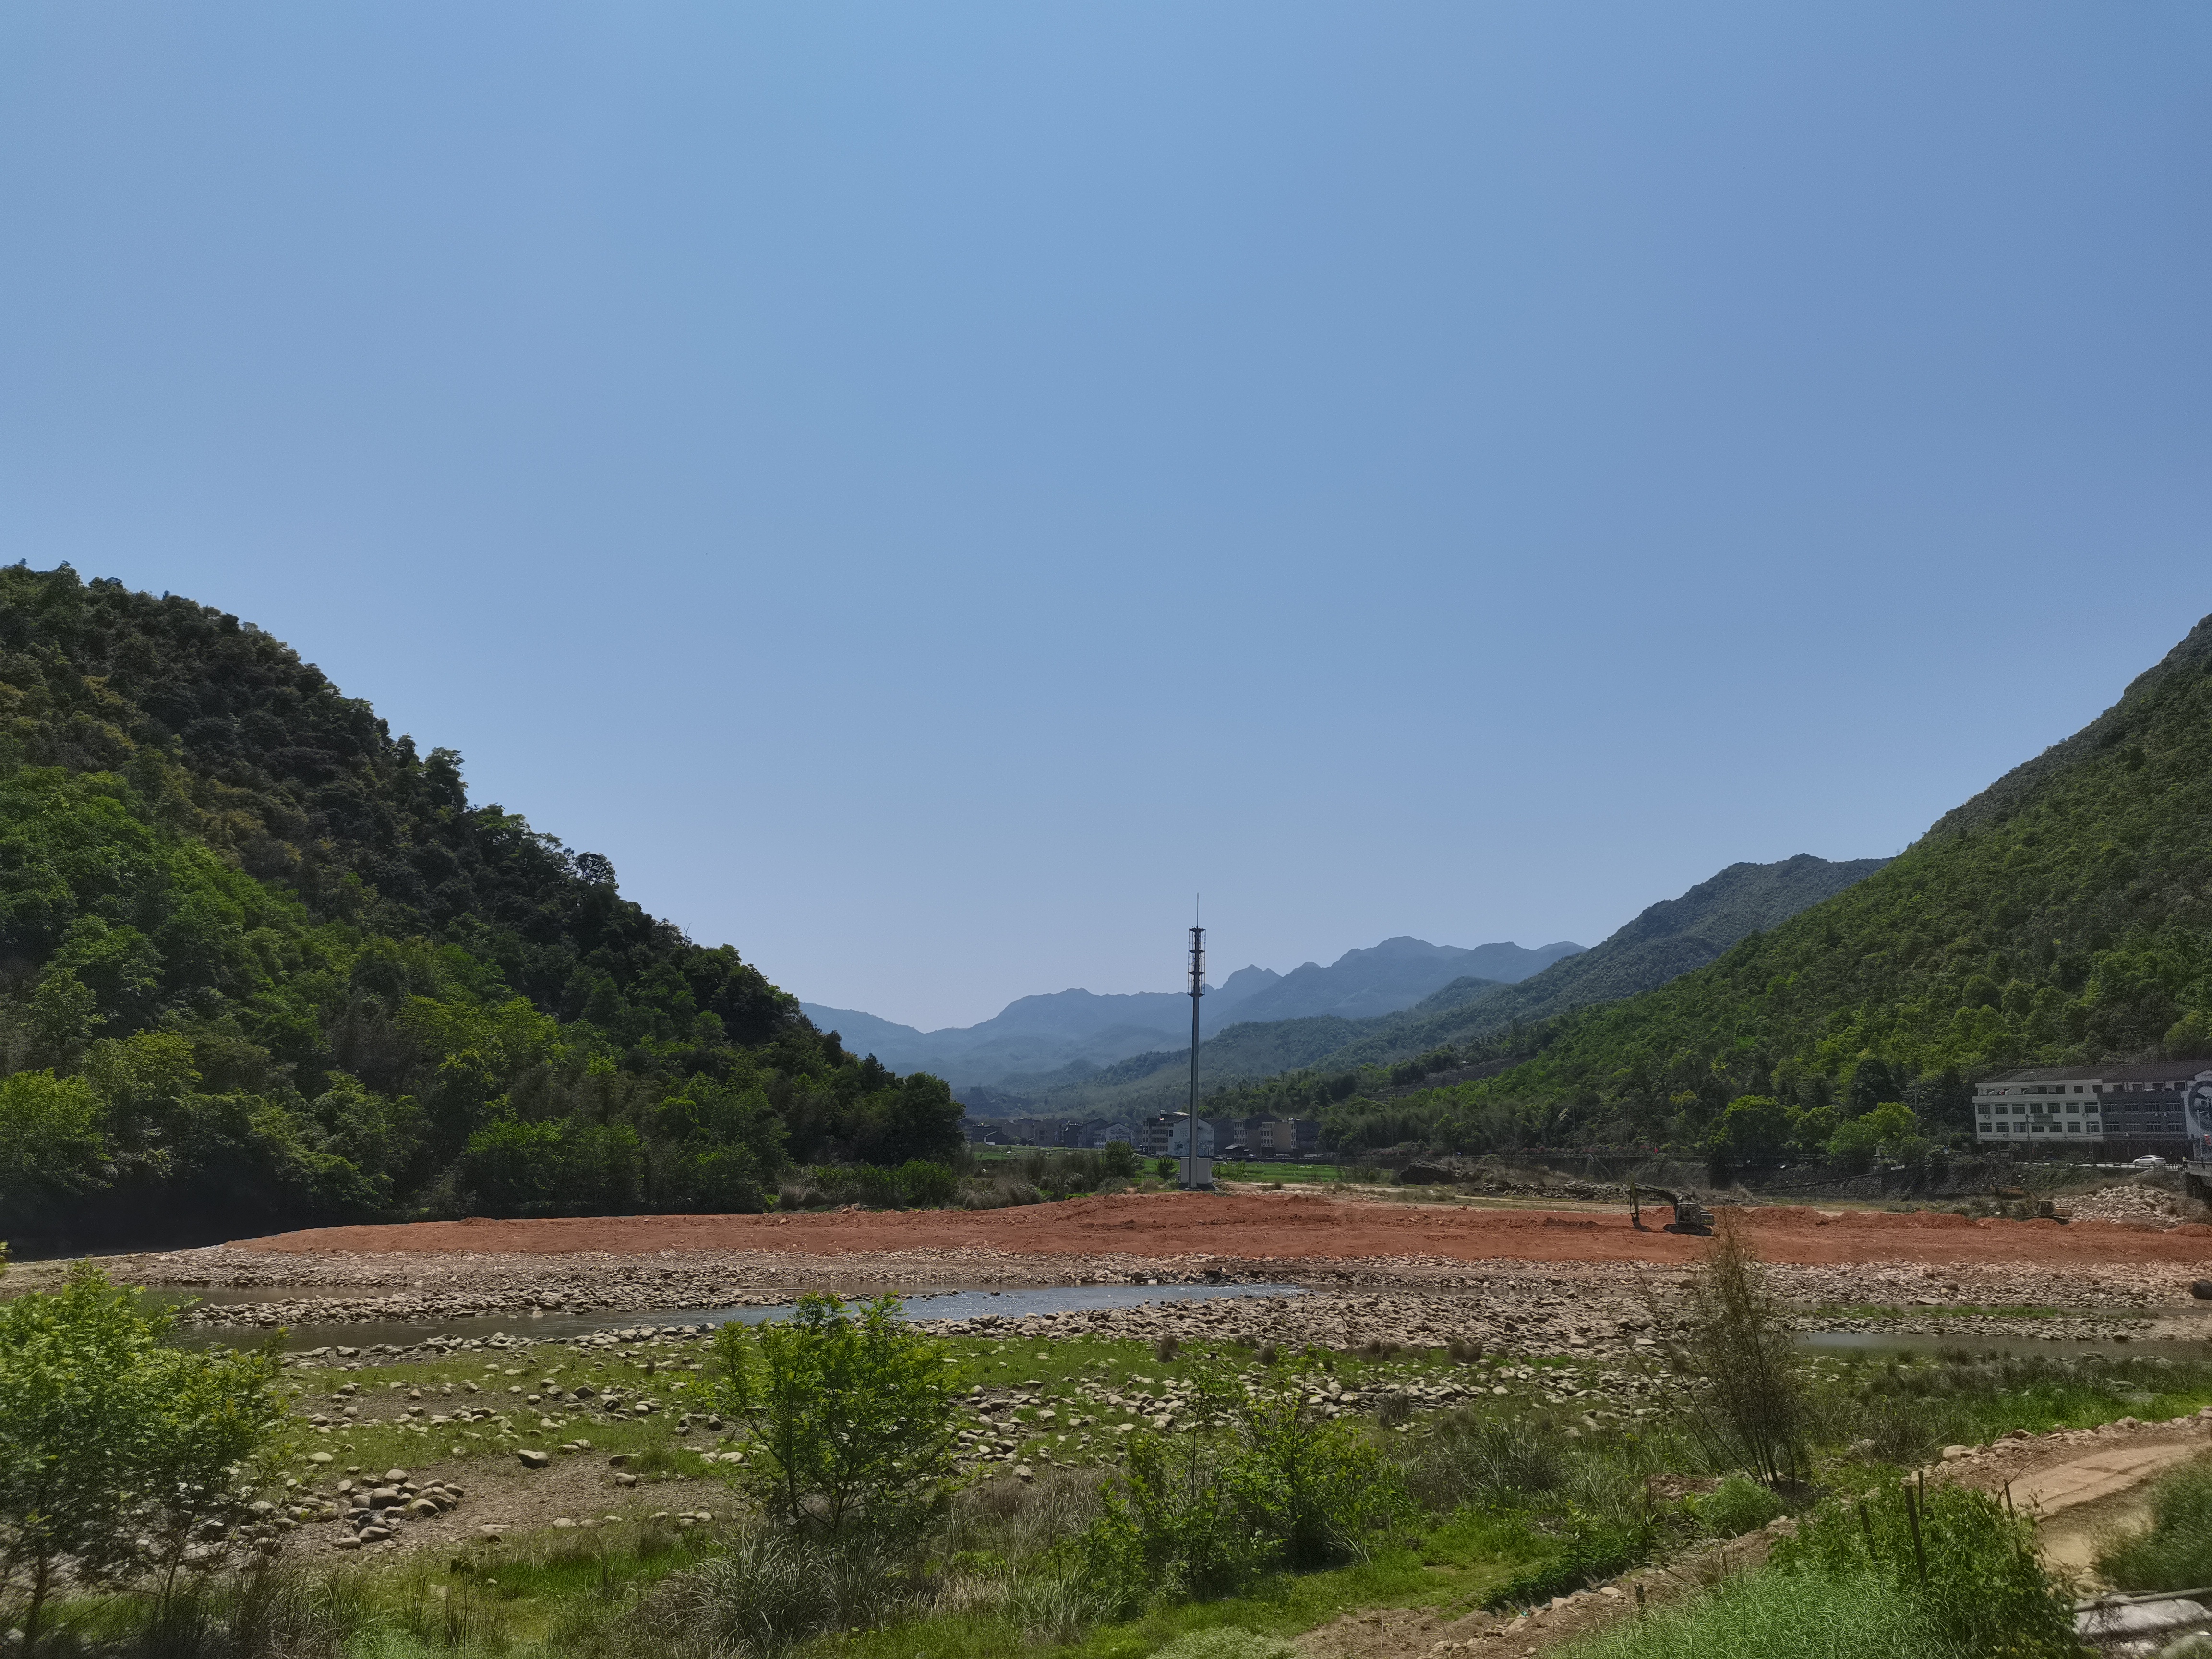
(1286, 1228)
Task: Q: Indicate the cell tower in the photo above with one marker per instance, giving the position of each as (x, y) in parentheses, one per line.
(1197, 990)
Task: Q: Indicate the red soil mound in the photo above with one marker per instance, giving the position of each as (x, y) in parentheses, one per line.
(1287, 1228)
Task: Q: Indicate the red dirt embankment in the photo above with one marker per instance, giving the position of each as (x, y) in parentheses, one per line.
(1291, 1227)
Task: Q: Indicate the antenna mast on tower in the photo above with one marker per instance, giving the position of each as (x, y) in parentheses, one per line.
(1197, 990)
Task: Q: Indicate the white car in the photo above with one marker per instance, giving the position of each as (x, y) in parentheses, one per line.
(2147, 1164)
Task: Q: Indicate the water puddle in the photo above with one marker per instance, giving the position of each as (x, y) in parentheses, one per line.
(970, 1304)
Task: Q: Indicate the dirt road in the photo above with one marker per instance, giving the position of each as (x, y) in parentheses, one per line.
(1277, 1228)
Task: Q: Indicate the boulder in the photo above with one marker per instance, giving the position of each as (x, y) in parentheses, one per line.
(533, 1459)
(2202, 1290)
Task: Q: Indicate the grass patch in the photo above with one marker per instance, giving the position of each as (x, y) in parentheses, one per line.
(1290, 1175)
(1776, 1615)
(2176, 1552)
(1456, 1565)
(1900, 1411)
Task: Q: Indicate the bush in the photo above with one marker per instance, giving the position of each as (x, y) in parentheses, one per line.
(1470, 1459)
(1180, 1511)
(1967, 1566)
(2176, 1552)
(1271, 1484)
(114, 1450)
(1740, 1506)
(924, 1186)
(853, 1413)
(1741, 1363)
(1595, 1550)
(879, 1189)
(267, 1612)
(766, 1594)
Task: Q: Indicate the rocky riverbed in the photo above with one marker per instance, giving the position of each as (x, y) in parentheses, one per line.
(1509, 1306)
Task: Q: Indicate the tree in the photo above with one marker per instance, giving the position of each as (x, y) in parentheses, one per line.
(63, 1012)
(924, 1120)
(853, 1413)
(1891, 1128)
(1753, 1127)
(51, 1143)
(113, 1447)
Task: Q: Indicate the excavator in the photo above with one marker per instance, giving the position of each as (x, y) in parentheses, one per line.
(1689, 1216)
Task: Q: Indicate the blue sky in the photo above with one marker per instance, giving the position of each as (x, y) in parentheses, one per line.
(925, 489)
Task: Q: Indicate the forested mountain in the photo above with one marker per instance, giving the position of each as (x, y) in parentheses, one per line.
(2062, 914)
(261, 962)
(1667, 940)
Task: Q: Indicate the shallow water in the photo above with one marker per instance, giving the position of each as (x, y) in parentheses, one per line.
(968, 1303)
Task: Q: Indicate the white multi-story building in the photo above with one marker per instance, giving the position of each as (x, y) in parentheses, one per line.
(2162, 1107)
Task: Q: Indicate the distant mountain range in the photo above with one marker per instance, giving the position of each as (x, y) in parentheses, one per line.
(1667, 940)
(1085, 1029)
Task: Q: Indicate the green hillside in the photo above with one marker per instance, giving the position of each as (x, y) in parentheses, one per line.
(2063, 913)
(262, 962)
(1666, 939)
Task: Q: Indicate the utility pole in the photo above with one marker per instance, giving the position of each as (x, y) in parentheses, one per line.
(1197, 990)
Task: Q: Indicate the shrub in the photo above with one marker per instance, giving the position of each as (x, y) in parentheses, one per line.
(1595, 1550)
(879, 1189)
(1967, 1566)
(1740, 1506)
(768, 1593)
(1470, 1459)
(2176, 1552)
(1739, 1358)
(1313, 1489)
(924, 1186)
(1271, 1485)
(268, 1612)
(113, 1448)
(855, 1415)
(1181, 1510)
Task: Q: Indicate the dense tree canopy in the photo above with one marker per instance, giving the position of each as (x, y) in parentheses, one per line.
(263, 962)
